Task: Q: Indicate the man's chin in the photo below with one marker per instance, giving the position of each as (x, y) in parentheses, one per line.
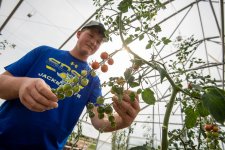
(84, 53)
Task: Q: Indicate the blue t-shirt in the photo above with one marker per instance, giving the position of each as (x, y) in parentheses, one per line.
(21, 128)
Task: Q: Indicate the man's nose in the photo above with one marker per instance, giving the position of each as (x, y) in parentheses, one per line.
(94, 42)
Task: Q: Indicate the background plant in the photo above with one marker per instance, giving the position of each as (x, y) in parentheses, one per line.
(201, 100)
(133, 21)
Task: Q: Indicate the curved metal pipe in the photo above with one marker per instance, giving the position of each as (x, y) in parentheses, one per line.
(10, 15)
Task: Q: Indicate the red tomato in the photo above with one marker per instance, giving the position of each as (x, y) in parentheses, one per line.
(95, 65)
(104, 68)
(104, 55)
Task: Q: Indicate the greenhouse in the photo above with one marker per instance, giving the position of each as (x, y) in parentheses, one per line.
(168, 53)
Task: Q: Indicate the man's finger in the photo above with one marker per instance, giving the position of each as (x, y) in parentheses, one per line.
(32, 104)
(121, 111)
(44, 90)
(42, 100)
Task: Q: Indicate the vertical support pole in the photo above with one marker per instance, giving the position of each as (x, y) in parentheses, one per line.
(222, 36)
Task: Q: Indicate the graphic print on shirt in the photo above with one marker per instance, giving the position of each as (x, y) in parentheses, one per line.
(64, 71)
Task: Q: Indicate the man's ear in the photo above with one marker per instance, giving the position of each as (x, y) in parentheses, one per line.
(78, 34)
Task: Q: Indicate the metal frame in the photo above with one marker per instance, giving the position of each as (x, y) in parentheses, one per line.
(10, 15)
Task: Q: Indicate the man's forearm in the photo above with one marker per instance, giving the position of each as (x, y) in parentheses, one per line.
(9, 86)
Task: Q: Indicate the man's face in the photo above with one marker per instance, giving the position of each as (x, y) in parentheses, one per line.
(89, 40)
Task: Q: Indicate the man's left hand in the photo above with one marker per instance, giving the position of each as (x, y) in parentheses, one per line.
(126, 108)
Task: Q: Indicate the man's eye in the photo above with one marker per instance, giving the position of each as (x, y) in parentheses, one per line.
(99, 42)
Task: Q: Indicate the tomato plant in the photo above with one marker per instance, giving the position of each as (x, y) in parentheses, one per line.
(201, 100)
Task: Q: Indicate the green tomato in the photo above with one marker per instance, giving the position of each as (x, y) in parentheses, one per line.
(101, 115)
(76, 88)
(67, 87)
(111, 118)
(100, 109)
(54, 91)
(69, 93)
(93, 73)
(60, 89)
(208, 134)
(75, 79)
(84, 82)
(108, 109)
(60, 96)
(84, 72)
(113, 124)
(215, 134)
(90, 106)
(100, 100)
(216, 141)
(91, 114)
(212, 146)
(208, 140)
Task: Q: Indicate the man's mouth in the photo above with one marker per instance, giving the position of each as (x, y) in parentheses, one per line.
(90, 48)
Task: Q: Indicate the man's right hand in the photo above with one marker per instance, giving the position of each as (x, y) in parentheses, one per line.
(36, 95)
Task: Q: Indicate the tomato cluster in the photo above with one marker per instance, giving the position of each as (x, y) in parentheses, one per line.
(212, 135)
(104, 67)
(103, 111)
(71, 86)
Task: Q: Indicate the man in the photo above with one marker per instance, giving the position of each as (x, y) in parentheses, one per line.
(32, 117)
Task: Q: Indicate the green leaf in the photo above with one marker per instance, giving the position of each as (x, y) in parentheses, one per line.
(202, 110)
(132, 96)
(139, 148)
(118, 90)
(148, 96)
(141, 37)
(157, 28)
(149, 45)
(127, 73)
(214, 100)
(137, 29)
(166, 40)
(133, 84)
(124, 5)
(137, 61)
(131, 79)
(190, 118)
(129, 40)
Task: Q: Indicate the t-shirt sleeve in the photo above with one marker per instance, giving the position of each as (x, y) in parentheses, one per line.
(96, 90)
(22, 66)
